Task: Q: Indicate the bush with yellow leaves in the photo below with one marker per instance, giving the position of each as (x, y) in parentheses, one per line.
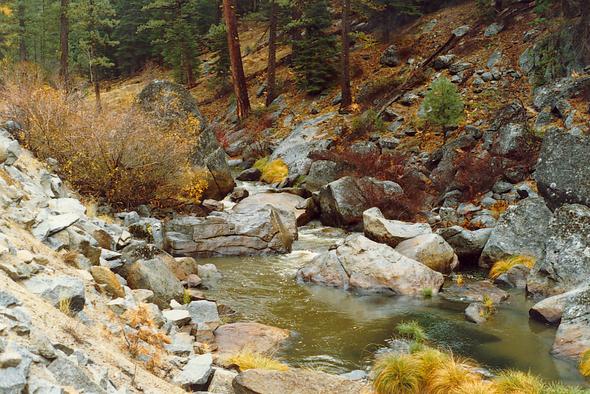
(121, 155)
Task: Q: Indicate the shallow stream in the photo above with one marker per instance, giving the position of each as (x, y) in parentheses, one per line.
(337, 331)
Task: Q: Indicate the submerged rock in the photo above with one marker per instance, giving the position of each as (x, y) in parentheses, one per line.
(295, 381)
(365, 266)
(474, 292)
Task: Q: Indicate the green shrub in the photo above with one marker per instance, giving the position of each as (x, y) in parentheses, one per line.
(412, 330)
(367, 123)
(443, 105)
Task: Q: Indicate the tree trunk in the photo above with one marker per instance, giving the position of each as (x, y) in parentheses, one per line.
(64, 32)
(272, 55)
(235, 55)
(345, 67)
(22, 46)
(97, 95)
(498, 4)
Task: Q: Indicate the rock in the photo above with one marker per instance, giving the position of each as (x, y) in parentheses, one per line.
(104, 276)
(183, 267)
(283, 201)
(7, 300)
(458, 67)
(550, 310)
(63, 206)
(251, 174)
(390, 57)
(369, 267)
(213, 205)
(409, 99)
(51, 224)
(431, 250)
(178, 317)
(222, 381)
(10, 150)
(262, 230)
(493, 29)
(514, 277)
(566, 262)
(306, 137)
(64, 290)
(209, 275)
(343, 202)
(68, 373)
(169, 102)
(573, 334)
(203, 312)
(548, 95)
(521, 230)
(390, 232)
(466, 244)
(323, 172)
(461, 31)
(15, 369)
(155, 275)
(357, 374)
(474, 292)
(294, 381)
(442, 62)
(564, 169)
(475, 313)
(254, 337)
(239, 194)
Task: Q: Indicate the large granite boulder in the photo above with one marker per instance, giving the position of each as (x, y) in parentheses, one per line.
(248, 336)
(566, 262)
(365, 266)
(285, 201)
(390, 232)
(295, 381)
(261, 230)
(467, 244)
(155, 275)
(431, 250)
(343, 202)
(563, 171)
(306, 137)
(59, 291)
(323, 172)
(521, 230)
(550, 309)
(573, 335)
(169, 102)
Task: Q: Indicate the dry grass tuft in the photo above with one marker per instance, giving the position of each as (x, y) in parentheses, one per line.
(250, 360)
(74, 332)
(585, 364)
(516, 382)
(397, 374)
(503, 266)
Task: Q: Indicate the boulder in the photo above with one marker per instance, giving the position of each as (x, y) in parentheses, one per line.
(515, 277)
(51, 224)
(255, 337)
(343, 202)
(323, 172)
(59, 290)
(259, 231)
(15, 365)
(178, 317)
(564, 169)
(251, 174)
(10, 150)
(295, 381)
(548, 95)
(521, 230)
(365, 266)
(390, 232)
(283, 201)
(443, 61)
(105, 277)
(169, 102)
(573, 334)
(306, 137)
(566, 262)
(431, 250)
(474, 292)
(203, 312)
(67, 373)
(195, 373)
(239, 194)
(222, 381)
(550, 309)
(475, 313)
(390, 57)
(467, 244)
(155, 275)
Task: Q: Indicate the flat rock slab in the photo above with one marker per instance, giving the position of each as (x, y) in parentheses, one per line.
(295, 381)
(196, 372)
(286, 201)
(474, 292)
(255, 337)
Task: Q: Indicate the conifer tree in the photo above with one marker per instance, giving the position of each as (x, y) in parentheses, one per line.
(443, 105)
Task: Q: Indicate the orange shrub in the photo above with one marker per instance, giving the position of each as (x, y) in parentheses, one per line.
(123, 156)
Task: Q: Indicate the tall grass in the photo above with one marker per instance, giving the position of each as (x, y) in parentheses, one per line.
(502, 266)
(251, 360)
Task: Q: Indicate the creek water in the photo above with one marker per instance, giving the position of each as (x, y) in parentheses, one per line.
(338, 331)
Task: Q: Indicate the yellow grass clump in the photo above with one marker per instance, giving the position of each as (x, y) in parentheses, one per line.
(585, 363)
(516, 382)
(272, 171)
(504, 265)
(397, 374)
(251, 360)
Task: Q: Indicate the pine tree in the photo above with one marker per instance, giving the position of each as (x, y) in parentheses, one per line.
(217, 43)
(443, 105)
(385, 12)
(272, 54)
(64, 37)
(96, 20)
(345, 56)
(314, 54)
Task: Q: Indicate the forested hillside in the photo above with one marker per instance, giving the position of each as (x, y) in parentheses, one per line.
(295, 196)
